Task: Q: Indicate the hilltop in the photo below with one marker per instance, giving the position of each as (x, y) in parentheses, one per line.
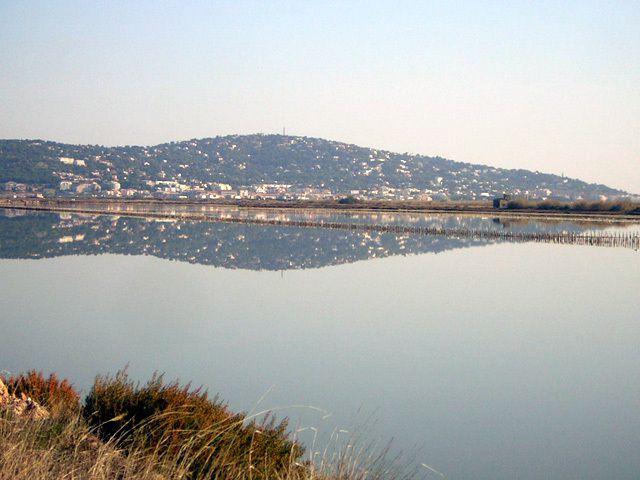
(268, 166)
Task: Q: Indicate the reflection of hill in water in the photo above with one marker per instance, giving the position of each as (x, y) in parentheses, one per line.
(44, 235)
(25, 234)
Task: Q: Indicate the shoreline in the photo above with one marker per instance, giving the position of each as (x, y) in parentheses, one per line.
(80, 205)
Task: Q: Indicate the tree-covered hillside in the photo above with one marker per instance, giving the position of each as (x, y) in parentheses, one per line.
(246, 160)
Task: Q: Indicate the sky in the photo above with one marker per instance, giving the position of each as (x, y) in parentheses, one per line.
(552, 86)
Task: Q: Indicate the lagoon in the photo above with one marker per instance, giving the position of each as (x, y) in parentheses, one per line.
(497, 360)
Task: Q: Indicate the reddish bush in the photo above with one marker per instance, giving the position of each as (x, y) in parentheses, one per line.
(57, 396)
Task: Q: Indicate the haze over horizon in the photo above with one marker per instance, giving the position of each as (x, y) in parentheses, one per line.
(545, 87)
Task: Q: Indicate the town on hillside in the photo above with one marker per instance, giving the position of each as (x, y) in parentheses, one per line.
(266, 167)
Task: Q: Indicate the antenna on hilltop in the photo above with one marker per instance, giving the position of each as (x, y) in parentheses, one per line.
(283, 131)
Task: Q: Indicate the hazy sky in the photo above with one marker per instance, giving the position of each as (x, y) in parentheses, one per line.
(550, 86)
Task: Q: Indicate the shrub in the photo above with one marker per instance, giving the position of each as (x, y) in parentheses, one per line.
(184, 425)
(348, 201)
(577, 206)
(580, 206)
(518, 204)
(552, 205)
(59, 397)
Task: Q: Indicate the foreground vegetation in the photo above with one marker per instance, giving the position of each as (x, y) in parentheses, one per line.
(159, 431)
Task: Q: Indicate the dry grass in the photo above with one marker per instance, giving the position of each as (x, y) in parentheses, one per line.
(58, 448)
(164, 431)
(61, 448)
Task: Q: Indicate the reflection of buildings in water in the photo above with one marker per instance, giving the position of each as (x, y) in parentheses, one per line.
(236, 245)
(218, 244)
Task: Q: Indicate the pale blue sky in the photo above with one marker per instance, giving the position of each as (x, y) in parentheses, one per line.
(550, 86)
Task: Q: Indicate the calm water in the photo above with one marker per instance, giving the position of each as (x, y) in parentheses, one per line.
(498, 360)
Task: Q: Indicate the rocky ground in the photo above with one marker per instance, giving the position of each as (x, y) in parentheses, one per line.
(20, 406)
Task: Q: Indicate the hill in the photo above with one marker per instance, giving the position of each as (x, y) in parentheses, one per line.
(269, 165)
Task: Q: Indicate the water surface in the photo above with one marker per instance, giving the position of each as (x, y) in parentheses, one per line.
(499, 360)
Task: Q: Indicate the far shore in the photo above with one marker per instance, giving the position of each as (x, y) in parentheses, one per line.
(95, 205)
